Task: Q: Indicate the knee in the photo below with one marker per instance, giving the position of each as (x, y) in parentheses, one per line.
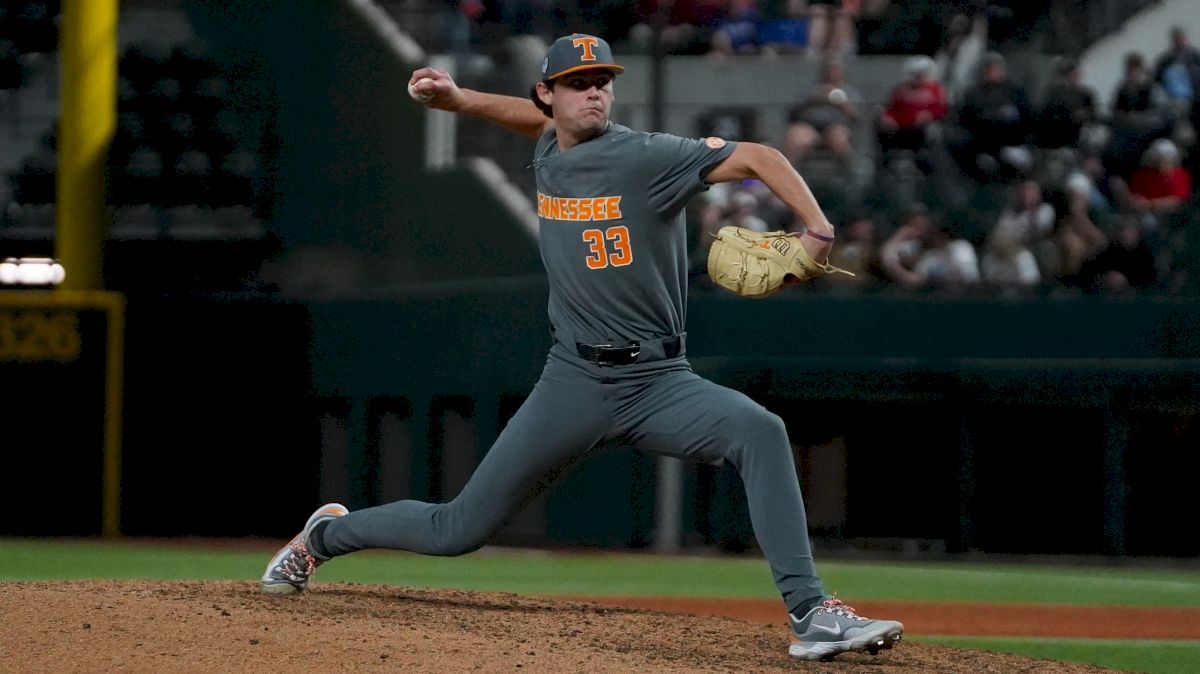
(454, 548)
(801, 136)
(757, 441)
(773, 428)
(758, 427)
(454, 534)
(455, 545)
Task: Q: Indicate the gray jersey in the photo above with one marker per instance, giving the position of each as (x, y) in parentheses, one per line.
(613, 238)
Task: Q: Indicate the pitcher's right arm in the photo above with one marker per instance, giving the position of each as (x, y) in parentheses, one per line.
(518, 115)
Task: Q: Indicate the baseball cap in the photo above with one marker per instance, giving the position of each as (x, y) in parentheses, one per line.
(575, 52)
(919, 65)
(1165, 148)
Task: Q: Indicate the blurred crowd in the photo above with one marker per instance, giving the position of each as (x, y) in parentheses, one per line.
(185, 160)
(28, 36)
(977, 179)
(727, 27)
(1009, 189)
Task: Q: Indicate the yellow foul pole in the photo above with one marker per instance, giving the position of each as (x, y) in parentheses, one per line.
(87, 123)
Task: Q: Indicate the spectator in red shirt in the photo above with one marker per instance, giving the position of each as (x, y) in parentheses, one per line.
(1160, 186)
(915, 105)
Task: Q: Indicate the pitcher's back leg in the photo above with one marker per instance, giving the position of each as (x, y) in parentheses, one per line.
(560, 421)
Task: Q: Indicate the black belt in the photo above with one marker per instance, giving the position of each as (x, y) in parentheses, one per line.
(607, 354)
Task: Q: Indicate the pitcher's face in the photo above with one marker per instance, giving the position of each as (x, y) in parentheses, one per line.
(581, 102)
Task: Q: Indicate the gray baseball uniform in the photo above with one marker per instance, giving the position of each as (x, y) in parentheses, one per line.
(613, 242)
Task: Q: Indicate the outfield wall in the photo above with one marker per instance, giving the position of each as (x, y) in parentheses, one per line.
(1056, 425)
(1042, 425)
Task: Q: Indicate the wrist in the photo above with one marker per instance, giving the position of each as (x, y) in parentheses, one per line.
(468, 102)
(822, 231)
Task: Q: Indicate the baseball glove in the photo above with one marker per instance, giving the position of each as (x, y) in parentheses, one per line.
(754, 264)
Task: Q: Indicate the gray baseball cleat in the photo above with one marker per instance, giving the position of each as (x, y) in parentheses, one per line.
(289, 570)
(834, 628)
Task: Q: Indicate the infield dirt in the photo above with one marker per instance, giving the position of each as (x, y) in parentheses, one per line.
(228, 626)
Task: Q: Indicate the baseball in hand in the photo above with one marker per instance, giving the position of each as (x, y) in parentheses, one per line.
(418, 96)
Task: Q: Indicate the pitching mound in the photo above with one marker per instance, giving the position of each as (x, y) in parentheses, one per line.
(227, 626)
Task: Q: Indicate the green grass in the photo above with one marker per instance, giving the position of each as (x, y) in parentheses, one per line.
(1018, 583)
(1152, 657)
(532, 572)
(548, 573)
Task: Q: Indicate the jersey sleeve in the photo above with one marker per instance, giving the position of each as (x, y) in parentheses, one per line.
(676, 168)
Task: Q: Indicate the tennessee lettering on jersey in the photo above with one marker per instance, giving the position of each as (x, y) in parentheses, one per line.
(589, 209)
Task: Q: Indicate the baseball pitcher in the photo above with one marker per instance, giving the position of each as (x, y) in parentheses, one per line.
(610, 201)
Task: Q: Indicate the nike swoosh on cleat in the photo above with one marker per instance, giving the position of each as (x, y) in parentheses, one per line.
(831, 630)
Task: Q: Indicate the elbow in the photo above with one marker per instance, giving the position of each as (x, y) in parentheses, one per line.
(761, 159)
(771, 154)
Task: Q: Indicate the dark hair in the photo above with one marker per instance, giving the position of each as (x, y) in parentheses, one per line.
(546, 109)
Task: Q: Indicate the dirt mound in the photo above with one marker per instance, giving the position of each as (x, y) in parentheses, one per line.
(210, 626)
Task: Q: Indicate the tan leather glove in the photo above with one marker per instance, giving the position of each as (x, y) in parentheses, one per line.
(756, 264)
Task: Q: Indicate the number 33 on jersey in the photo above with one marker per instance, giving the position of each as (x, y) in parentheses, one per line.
(599, 256)
(608, 247)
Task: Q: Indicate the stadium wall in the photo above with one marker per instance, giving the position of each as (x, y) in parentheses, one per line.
(1055, 425)
(1040, 425)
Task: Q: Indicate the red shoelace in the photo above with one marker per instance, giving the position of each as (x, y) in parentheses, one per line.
(291, 564)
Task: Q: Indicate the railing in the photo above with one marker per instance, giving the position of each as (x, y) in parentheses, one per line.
(434, 25)
(1075, 25)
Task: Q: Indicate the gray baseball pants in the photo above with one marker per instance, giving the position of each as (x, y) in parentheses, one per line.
(661, 407)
